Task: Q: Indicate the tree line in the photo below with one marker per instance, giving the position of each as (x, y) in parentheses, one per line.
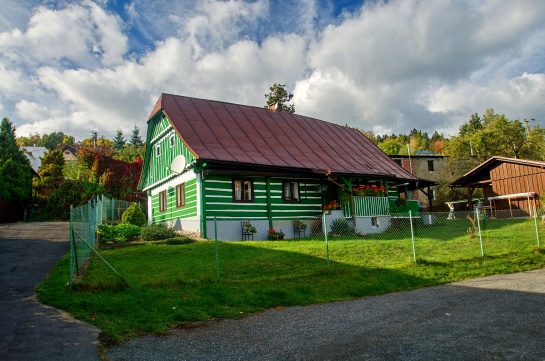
(112, 167)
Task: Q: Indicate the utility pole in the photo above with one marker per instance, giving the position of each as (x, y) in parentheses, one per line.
(527, 127)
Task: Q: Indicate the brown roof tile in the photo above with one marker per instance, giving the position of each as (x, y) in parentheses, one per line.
(219, 131)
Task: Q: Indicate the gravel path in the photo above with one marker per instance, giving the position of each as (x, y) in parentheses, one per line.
(493, 318)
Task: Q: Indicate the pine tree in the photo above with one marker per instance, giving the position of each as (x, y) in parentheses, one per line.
(119, 141)
(136, 140)
(15, 171)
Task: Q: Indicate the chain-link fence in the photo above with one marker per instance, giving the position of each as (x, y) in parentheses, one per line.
(394, 240)
(112, 209)
(84, 221)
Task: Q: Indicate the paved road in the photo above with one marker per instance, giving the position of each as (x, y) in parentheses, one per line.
(28, 329)
(494, 318)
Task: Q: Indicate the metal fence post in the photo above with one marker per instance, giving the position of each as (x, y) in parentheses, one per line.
(412, 235)
(324, 227)
(479, 228)
(217, 250)
(535, 224)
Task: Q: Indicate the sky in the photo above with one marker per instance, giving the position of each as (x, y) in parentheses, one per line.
(381, 66)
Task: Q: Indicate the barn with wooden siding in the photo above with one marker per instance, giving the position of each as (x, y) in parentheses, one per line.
(209, 159)
(507, 184)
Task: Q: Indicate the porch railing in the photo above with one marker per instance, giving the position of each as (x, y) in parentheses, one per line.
(379, 206)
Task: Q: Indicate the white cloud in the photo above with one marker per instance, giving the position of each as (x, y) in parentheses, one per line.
(391, 67)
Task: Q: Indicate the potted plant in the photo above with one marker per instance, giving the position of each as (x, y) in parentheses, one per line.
(248, 228)
(299, 226)
(273, 235)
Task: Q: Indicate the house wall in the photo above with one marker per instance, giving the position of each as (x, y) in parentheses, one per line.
(219, 199)
(173, 214)
(159, 165)
(509, 178)
(421, 169)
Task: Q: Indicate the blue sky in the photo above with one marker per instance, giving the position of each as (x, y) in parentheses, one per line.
(385, 66)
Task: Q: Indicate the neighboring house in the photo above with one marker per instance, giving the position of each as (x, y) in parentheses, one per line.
(69, 152)
(423, 165)
(34, 155)
(507, 184)
(209, 160)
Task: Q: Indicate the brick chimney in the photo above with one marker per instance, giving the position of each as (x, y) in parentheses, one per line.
(276, 107)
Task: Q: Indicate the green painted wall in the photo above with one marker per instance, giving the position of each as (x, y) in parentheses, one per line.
(219, 199)
(159, 133)
(172, 212)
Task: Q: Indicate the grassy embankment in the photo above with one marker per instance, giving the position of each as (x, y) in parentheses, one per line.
(173, 285)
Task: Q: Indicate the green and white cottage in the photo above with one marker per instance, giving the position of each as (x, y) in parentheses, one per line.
(209, 160)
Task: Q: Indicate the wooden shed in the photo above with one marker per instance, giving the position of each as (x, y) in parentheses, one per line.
(507, 183)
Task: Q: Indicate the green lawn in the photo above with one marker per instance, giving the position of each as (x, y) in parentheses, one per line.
(172, 285)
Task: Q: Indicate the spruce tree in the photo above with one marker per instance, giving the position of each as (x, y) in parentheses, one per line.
(119, 141)
(136, 140)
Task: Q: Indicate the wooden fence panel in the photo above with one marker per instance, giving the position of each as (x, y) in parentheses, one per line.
(11, 211)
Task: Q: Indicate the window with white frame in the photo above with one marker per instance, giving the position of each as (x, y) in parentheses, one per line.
(180, 195)
(162, 201)
(243, 190)
(158, 150)
(374, 222)
(172, 141)
(290, 191)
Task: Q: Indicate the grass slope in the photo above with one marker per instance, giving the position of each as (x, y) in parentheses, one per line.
(173, 285)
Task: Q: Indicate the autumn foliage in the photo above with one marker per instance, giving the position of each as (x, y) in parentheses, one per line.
(119, 179)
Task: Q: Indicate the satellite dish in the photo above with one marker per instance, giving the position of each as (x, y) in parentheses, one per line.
(178, 164)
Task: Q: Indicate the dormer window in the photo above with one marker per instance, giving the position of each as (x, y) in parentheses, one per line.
(158, 151)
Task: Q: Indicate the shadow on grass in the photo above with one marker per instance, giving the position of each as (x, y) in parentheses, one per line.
(173, 285)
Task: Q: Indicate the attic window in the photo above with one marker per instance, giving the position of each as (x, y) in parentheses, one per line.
(158, 151)
(431, 168)
(172, 141)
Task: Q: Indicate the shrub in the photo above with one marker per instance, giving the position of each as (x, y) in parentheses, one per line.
(118, 233)
(127, 231)
(341, 227)
(157, 232)
(134, 215)
(179, 240)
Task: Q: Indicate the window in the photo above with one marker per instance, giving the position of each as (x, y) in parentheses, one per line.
(162, 201)
(430, 165)
(172, 141)
(397, 160)
(374, 222)
(243, 190)
(290, 191)
(158, 151)
(180, 195)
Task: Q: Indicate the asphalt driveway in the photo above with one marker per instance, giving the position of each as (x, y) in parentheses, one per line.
(28, 329)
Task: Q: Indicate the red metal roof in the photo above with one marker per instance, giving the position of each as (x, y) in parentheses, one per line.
(219, 131)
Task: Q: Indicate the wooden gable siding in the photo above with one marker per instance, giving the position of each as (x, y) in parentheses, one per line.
(219, 199)
(173, 213)
(510, 178)
(157, 172)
